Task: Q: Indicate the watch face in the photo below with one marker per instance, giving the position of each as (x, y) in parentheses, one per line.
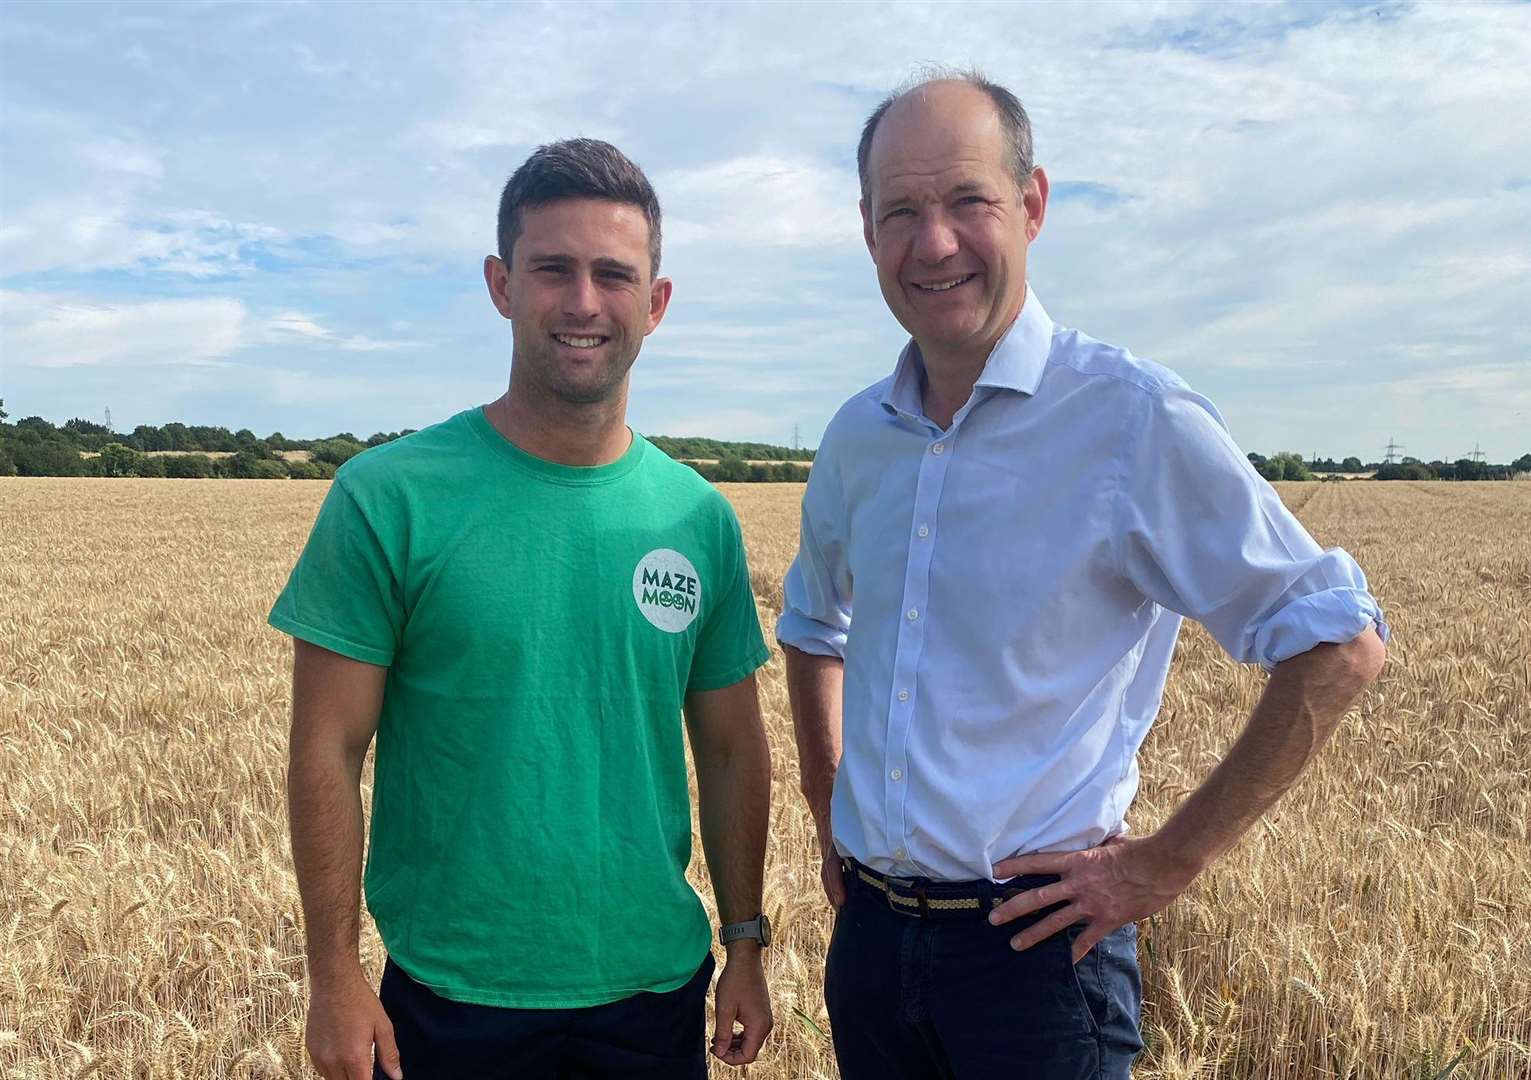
(765, 930)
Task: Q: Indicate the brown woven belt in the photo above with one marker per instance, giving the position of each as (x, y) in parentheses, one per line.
(922, 898)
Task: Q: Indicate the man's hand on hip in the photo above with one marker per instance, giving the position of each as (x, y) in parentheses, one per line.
(1105, 887)
(345, 1020)
(742, 997)
(832, 874)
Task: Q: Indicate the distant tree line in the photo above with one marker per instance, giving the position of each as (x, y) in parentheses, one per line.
(695, 448)
(33, 446)
(736, 470)
(1291, 466)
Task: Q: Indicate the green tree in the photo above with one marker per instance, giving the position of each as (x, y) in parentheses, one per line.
(7, 463)
(46, 457)
(1520, 464)
(149, 437)
(80, 426)
(337, 451)
(1352, 464)
(118, 460)
(1293, 467)
(732, 470)
(304, 470)
(248, 464)
(188, 466)
(1468, 469)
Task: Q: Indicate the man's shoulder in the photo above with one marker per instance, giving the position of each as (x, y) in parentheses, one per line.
(683, 486)
(414, 458)
(1087, 359)
(859, 411)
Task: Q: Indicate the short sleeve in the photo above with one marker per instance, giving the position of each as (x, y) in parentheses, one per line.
(343, 594)
(729, 646)
(1201, 533)
(816, 595)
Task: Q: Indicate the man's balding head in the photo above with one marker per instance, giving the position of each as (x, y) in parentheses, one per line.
(931, 93)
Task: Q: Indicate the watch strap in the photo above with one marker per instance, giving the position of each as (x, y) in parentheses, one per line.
(740, 930)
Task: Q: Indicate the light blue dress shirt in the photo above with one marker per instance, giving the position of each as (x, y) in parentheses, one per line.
(1017, 583)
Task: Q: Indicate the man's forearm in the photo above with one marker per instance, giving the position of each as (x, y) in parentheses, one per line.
(325, 814)
(815, 685)
(1302, 704)
(734, 806)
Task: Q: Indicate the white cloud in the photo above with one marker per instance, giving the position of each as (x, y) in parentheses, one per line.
(119, 155)
(284, 327)
(53, 332)
(761, 201)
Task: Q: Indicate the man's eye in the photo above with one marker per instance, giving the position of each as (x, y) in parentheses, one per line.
(902, 211)
(548, 270)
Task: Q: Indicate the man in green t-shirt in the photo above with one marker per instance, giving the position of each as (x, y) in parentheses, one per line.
(521, 603)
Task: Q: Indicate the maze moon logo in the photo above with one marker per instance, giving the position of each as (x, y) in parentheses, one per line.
(667, 589)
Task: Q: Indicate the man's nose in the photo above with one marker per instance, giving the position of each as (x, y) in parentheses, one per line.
(936, 240)
(580, 298)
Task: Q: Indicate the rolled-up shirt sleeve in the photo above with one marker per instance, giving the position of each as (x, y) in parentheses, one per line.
(1201, 533)
(816, 606)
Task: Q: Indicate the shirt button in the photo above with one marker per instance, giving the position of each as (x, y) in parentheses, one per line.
(914, 613)
(900, 854)
(903, 695)
(924, 530)
(897, 774)
(938, 448)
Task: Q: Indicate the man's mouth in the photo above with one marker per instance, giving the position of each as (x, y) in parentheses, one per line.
(580, 341)
(943, 286)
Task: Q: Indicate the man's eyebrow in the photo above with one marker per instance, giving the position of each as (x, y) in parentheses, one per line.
(603, 262)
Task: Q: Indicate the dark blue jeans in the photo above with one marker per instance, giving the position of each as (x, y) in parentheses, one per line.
(644, 1037)
(951, 1000)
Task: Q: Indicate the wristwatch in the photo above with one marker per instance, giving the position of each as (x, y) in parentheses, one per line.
(758, 928)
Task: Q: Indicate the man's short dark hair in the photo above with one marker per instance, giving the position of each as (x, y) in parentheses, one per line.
(576, 169)
(1012, 118)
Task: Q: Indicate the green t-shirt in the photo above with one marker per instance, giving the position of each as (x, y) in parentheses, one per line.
(541, 625)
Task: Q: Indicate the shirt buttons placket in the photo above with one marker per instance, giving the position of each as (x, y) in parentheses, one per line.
(910, 644)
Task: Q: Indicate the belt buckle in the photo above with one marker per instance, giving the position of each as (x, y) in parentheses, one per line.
(919, 894)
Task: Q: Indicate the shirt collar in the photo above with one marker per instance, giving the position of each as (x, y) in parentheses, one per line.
(1016, 363)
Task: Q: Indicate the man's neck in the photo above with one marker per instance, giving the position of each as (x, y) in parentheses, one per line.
(563, 432)
(950, 374)
(949, 379)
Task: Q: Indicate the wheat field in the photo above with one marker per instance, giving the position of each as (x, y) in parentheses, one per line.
(1374, 926)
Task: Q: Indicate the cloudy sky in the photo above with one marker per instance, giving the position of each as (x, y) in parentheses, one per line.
(273, 216)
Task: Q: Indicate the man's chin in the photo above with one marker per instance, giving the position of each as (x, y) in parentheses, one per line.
(585, 392)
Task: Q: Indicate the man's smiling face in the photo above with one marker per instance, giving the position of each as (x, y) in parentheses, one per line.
(580, 296)
(944, 221)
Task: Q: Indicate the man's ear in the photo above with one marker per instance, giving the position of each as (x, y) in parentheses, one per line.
(1035, 200)
(497, 278)
(867, 231)
(659, 303)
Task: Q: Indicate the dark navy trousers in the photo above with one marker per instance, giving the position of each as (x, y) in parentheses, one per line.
(911, 999)
(644, 1037)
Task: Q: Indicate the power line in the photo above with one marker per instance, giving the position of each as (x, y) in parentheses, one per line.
(1392, 450)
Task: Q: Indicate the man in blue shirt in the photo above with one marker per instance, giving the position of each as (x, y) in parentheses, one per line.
(1020, 516)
